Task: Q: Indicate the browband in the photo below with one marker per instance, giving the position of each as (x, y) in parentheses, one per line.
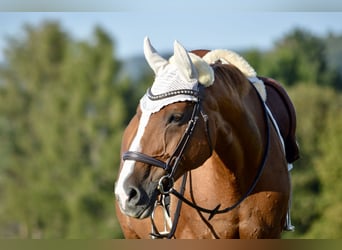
(153, 97)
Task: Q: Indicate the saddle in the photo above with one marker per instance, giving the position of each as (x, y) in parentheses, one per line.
(284, 113)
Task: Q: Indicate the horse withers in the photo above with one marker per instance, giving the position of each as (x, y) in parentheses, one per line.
(202, 157)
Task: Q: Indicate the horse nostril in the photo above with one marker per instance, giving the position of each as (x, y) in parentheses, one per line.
(133, 195)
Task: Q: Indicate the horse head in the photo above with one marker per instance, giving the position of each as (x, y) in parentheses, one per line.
(156, 147)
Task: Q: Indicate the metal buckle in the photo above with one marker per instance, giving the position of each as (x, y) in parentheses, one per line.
(161, 185)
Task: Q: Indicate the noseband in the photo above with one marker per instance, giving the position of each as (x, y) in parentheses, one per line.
(173, 162)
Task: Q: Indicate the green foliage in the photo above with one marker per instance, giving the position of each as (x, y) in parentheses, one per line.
(61, 120)
(298, 57)
(313, 106)
(329, 169)
(64, 105)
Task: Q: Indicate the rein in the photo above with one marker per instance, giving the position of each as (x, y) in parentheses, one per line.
(172, 164)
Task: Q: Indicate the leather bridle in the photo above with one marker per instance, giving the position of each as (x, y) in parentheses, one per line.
(173, 162)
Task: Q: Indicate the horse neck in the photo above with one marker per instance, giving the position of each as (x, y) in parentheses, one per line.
(240, 138)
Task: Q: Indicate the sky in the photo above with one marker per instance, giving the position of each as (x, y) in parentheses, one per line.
(223, 26)
(158, 5)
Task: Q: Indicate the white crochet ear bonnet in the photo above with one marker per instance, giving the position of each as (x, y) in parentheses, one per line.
(177, 79)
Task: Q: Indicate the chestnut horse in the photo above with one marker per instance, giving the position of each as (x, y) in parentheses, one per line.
(202, 157)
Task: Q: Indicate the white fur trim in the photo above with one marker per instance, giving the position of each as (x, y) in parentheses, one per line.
(260, 87)
(205, 73)
(230, 57)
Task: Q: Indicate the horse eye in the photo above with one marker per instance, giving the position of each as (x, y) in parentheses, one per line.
(175, 118)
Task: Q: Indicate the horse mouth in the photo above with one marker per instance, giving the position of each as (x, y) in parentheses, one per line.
(145, 213)
(139, 211)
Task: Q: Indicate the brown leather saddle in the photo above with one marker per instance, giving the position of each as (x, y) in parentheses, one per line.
(284, 113)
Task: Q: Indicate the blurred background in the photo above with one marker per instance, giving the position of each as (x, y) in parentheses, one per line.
(70, 82)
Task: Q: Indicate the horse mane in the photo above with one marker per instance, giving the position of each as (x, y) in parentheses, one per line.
(230, 75)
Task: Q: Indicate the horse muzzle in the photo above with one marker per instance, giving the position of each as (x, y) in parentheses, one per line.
(135, 201)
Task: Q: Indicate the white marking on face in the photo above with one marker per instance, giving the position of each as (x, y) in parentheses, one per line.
(128, 166)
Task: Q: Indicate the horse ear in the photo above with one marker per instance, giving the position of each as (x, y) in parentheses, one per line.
(182, 59)
(156, 62)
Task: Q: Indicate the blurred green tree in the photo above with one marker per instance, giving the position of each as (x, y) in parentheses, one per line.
(315, 174)
(299, 56)
(62, 115)
(328, 166)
